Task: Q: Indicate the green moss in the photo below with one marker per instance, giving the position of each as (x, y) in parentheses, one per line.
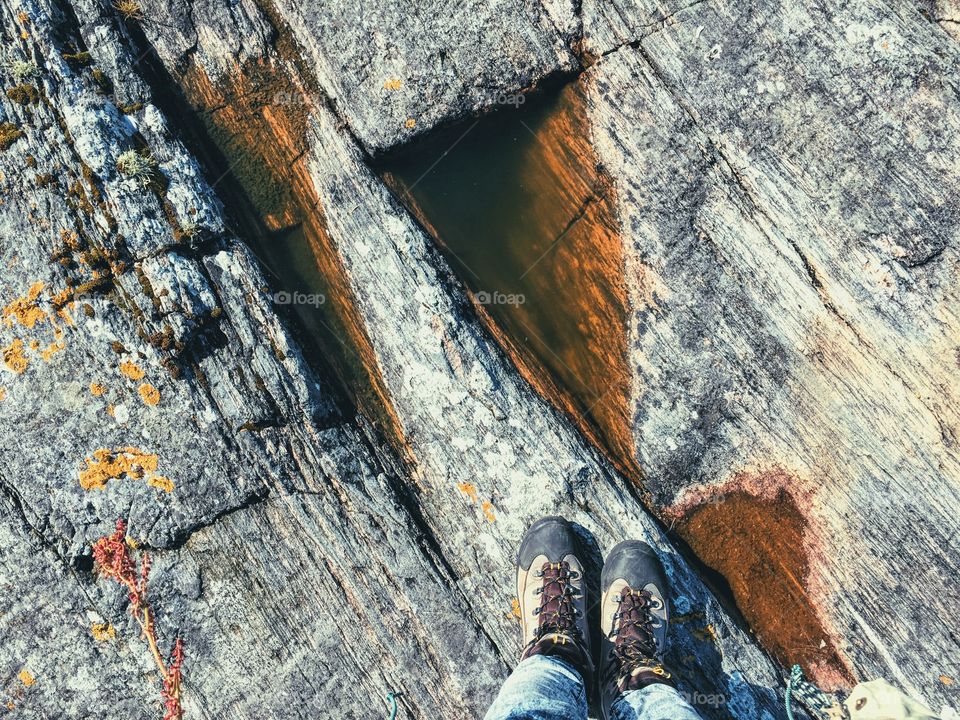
(24, 94)
(9, 134)
(78, 60)
(102, 81)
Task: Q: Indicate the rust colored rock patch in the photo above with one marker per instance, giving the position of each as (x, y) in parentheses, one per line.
(757, 544)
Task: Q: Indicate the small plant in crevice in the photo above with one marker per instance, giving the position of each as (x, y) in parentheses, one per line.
(129, 9)
(113, 560)
(23, 70)
(141, 166)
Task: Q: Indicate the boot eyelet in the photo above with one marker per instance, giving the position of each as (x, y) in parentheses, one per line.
(536, 611)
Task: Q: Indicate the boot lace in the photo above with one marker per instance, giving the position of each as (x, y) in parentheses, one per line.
(557, 611)
(634, 643)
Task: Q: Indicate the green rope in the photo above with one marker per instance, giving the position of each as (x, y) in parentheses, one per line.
(392, 699)
(796, 675)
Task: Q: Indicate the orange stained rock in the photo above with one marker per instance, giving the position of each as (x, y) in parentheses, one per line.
(757, 544)
(108, 465)
(14, 357)
(468, 489)
(97, 390)
(25, 310)
(161, 482)
(26, 677)
(131, 370)
(149, 394)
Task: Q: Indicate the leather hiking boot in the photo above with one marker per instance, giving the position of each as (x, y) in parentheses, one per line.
(634, 617)
(550, 588)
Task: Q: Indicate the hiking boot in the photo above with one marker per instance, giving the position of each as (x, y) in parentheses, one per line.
(550, 588)
(634, 616)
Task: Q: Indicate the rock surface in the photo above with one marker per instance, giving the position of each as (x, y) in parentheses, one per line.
(313, 561)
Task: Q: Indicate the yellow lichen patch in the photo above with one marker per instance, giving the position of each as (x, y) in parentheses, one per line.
(14, 358)
(468, 489)
(410, 123)
(707, 634)
(149, 394)
(161, 482)
(103, 632)
(393, 84)
(946, 680)
(97, 390)
(131, 370)
(3, 394)
(26, 677)
(515, 608)
(487, 508)
(115, 464)
(25, 310)
(51, 350)
(111, 411)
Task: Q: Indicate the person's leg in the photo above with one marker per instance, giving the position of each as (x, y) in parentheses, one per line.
(541, 688)
(634, 618)
(555, 666)
(653, 702)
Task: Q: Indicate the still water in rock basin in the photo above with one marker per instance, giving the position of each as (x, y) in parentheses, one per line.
(526, 220)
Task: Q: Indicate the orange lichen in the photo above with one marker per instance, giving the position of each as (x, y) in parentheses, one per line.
(515, 608)
(393, 84)
(149, 394)
(25, 310)
(111, 410)
(103, 632)
(51, 350)
(131, 370)
(468, 489)
(108, 465)
(14, 357)
(410, 123)
(946, 680)
(3, 393)
(97, 390)
(487, 508)
(161, 482)
(26, 677)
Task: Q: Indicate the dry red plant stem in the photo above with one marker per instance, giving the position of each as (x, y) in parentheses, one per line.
(111, 555)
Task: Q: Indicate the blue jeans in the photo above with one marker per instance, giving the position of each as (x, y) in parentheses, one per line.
(547, 688)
